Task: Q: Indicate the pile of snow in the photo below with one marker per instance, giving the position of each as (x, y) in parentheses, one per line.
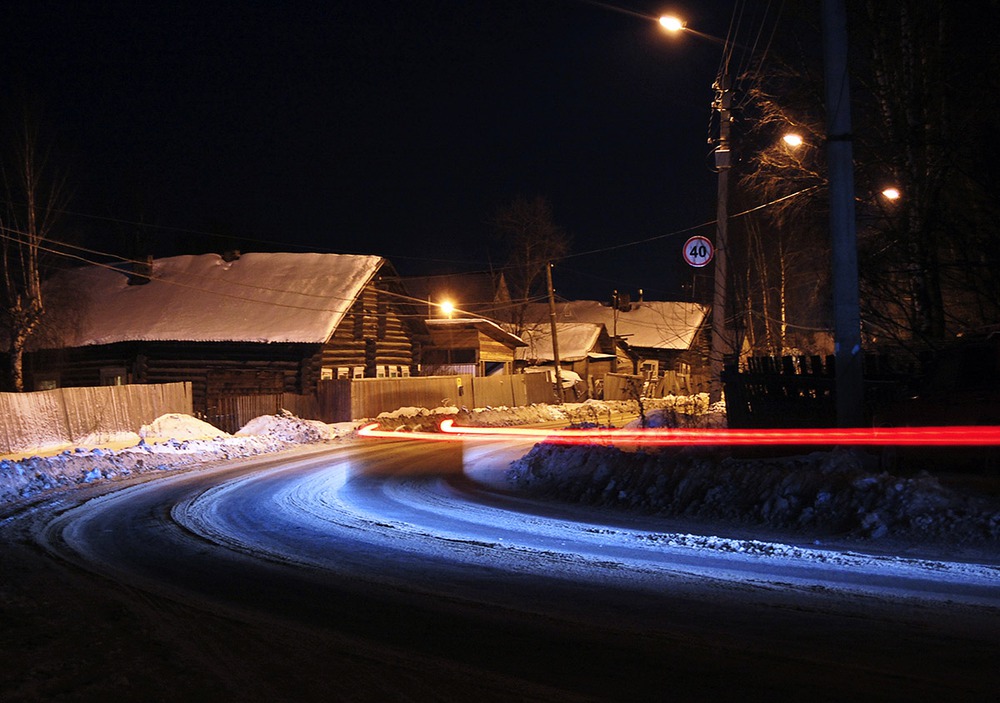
(838, 493)
(170, 442)
(684, 410)
(288, 428)
(179, 426)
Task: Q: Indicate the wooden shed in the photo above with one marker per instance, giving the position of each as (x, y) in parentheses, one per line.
(470, 345)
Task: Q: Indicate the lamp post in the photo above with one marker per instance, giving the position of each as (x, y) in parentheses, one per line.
(722, 345)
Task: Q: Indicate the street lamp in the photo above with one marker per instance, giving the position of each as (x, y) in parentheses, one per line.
(722, 345)
(671, 23)
(793, 140)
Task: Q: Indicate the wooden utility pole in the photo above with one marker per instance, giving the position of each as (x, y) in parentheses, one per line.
(555, 337)
(721, 345)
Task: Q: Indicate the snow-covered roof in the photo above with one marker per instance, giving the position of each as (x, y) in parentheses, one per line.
(487, 327)
(651, 324)
(258, 297)
(576, 341)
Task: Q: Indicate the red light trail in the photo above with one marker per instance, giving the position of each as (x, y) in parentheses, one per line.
(959, 436)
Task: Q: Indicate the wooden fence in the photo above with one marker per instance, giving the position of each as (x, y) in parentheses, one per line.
(620, 386)
(798, 391)
(350, 399)
(68, 415)
(343, 400)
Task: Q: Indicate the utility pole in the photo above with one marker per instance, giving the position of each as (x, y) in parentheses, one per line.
(555, 337)
(721, 346)
(849, 375)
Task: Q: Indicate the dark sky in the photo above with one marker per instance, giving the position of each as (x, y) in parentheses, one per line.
(392, 127)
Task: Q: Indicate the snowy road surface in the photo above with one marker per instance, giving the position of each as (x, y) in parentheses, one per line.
(391, 549)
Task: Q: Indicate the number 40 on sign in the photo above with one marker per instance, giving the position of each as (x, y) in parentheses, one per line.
(698, 251)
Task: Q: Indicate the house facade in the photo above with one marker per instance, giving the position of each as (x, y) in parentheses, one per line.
(657, 336)
(238, 325)
(474, 346)
(585, 348)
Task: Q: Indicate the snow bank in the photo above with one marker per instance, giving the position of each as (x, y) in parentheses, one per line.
(288, 428)
(820, 494)
(170, 442)
(179, 426)
(684, 411)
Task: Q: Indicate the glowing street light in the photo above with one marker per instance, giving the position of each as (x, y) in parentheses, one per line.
(671, 23)
(891, 193)
(793, 140)
(447, 307)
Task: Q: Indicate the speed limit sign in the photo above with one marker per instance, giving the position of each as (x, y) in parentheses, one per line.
(698, 251)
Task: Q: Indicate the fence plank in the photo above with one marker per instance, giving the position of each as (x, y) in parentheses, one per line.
(69, 415)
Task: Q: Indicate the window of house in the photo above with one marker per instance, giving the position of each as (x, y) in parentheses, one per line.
(650, 369)
(114, 376)
(359, 372)
(344, 372)
(46, 383)
(326, 373)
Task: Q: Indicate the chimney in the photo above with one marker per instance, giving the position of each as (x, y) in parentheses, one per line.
(141, 272)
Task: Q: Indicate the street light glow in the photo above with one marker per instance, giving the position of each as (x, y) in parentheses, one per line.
(671, 23)
(792, 139)
(447, 307)
(891, 193)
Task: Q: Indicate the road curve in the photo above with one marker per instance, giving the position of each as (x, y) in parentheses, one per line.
(405, 548)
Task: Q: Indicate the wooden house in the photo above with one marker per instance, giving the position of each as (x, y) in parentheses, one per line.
(232, 325)
(469, 345)
(585, 348)
(658, 336)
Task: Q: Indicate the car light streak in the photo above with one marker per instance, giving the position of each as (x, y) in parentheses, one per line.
(956, 436)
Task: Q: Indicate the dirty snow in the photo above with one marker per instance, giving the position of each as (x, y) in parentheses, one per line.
(817, 495)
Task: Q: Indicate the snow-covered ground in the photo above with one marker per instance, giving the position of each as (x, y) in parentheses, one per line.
(818, 495)
(170, 442)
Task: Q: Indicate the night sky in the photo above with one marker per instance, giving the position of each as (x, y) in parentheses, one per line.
(391, 127)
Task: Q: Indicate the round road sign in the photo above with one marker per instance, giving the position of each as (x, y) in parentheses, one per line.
(698, 251)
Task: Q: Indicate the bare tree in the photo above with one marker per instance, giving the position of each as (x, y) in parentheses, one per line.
(930, 261)
(784, 251)
(532, 239)
(32, 202)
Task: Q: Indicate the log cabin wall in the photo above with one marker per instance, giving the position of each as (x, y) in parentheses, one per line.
(214, 369)
(376, 338)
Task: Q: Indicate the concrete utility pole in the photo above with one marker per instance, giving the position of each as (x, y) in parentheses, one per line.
(555, 337)
(721, 346)
(849, 384)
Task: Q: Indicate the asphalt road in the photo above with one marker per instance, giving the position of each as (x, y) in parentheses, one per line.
(380, 571)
